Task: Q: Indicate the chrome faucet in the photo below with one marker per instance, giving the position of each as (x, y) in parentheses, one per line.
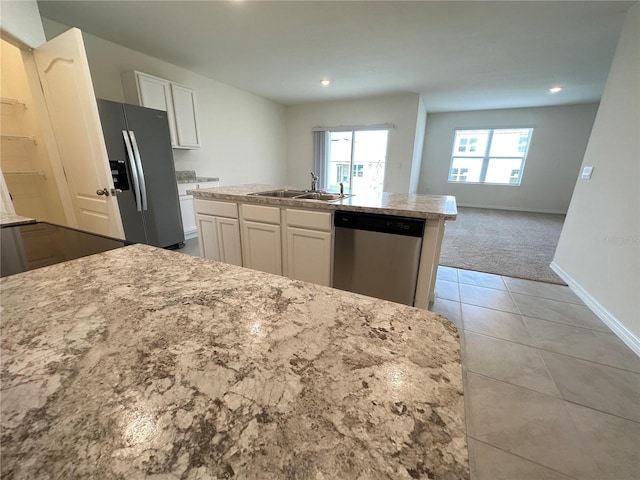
(341, 189)
(314, 182)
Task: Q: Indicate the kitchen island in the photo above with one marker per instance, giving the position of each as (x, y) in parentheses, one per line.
(228, 217)
(144, 362)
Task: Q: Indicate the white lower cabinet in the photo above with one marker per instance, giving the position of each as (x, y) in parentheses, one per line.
(262, 246)
(207, 236)
(187, 208)
(309, 255)
(219, 239)
(219, 231)
(228, 233)
(188, 216)
(293, 242)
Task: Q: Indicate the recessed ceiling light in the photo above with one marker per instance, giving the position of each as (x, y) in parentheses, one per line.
(325, 82)
(555, 89)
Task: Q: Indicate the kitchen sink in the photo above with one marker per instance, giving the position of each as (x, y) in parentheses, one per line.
(282, 193)
(301, 195)
(327, 197)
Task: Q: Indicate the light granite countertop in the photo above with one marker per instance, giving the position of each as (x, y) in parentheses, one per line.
(189, 176)
(11, 219)
(402, 204)
(144, 362)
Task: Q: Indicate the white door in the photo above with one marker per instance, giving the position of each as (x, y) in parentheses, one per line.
(309, 255)
(71, 103)
(262, 247)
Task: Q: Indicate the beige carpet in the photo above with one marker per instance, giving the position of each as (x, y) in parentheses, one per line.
(504, 242)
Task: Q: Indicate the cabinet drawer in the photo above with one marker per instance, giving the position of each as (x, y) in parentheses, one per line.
(219, 209)
(309, 219)
(259, 213)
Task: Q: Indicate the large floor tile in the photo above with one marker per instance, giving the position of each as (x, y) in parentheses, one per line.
(504, 325)
(490, 463)
(468, 414)
(481, 279)
(191, 247)
(487, 297)
(582, 343)
(614, 442)
(562, 312)
(604, 388)
(447, 290)
(531, 425)
(449, 309)
(539, 289)
(507, 361)
(447, 273)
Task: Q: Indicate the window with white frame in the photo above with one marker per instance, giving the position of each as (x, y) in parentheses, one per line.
(495, 156)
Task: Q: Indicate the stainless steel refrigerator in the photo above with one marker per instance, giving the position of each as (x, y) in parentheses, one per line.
(141, 161)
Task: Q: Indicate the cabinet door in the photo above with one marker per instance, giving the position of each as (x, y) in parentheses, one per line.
(184, 107)
(262, 247)
(208, 237)
(309, 255)
(228, 239)
(188, 216)
(155, 93)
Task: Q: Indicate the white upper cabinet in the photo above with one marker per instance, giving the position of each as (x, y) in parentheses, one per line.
(184, 109)
(177, 100)
(154, 92)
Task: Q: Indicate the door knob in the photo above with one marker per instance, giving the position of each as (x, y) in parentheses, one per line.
(115, 191)
(103, 191)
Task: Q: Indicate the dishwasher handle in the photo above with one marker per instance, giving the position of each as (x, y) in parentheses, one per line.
(395, 225)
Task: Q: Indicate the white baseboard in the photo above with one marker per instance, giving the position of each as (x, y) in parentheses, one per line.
(190, 234)
(515, 209)
(602, 313)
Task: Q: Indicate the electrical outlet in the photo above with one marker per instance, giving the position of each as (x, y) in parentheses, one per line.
(586, 173)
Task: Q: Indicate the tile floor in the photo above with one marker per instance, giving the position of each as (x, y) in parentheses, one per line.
(550, 392)
(190, 247)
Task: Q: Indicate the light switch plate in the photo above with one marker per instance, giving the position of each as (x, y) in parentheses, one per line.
(586, 173)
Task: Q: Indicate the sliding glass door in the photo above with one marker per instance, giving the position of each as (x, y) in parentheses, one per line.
(357, 158)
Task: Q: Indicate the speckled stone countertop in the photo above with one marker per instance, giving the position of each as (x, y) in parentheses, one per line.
(144, 362)
(11, 219)
(403, 204)
(189, 176)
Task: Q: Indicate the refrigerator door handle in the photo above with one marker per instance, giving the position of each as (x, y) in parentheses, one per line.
(134, 170)
(143, 185)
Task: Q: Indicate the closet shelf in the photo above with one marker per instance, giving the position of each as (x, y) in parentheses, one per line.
(20, 138)
(13, 101)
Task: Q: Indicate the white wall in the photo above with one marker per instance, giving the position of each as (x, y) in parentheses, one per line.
(21, 19)
(243, 135)
(599, 249)
(557, 146)
(400, 110)
(418, 146)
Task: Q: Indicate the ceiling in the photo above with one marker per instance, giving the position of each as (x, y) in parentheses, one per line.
(456, 55)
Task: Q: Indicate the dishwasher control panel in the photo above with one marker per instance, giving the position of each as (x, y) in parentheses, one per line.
(412, 227)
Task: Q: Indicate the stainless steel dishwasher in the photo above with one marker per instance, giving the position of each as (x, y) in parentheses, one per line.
(377, 255)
